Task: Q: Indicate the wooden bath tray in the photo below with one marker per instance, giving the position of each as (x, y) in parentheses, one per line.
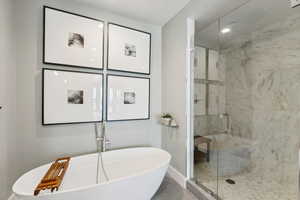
(54, 176)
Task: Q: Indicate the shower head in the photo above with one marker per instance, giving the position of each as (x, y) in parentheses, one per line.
(295, 3)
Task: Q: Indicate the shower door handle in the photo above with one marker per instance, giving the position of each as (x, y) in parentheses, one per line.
(228, 124)
(228, 121)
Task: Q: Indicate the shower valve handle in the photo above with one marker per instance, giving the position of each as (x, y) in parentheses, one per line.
(107, 142)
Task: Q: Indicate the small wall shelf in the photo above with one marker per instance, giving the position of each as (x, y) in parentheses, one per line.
(169, 123)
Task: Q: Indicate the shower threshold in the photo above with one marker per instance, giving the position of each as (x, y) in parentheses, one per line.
(200, 191)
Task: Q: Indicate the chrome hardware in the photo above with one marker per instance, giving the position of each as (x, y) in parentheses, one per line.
(228, 121)
(101, 140)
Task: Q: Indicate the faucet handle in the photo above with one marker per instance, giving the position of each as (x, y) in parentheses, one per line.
(107, 141)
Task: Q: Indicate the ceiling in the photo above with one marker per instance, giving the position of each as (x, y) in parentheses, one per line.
(159, 12)
(252, 16)
(156, 12)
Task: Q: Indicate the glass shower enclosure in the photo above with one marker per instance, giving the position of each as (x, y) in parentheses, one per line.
(246, 103)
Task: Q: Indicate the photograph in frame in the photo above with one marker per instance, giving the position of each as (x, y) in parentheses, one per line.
(72, 40)
(128, 98)
(129, 50)
(72, 97)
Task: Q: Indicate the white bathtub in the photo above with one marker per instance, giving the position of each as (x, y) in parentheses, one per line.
(134, 174)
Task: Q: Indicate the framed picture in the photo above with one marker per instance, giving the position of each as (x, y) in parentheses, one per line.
(72, 40)
(129, 50)
(72, 97)
(128, 98)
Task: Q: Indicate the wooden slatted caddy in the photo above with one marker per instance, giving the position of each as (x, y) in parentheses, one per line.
(54, 176)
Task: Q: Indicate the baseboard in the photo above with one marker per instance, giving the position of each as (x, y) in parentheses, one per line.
(177, 176)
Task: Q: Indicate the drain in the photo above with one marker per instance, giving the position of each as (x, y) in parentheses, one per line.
(230, 181)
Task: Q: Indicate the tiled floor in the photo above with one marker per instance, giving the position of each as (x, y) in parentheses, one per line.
(170, 190)
(249, 186)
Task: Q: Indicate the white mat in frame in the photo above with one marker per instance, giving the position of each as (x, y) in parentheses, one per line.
(128, 98)
(72, 40)
(72, 97)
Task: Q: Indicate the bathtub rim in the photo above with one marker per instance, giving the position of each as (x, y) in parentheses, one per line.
(163, 164)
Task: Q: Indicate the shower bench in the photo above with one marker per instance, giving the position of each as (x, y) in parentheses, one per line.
(202, 140)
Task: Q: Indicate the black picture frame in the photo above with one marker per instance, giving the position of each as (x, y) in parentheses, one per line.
(78, 15)
(133, 29)
(149, 98)
(73, 71)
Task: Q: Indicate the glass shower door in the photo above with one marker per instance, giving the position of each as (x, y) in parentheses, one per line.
(204, 176)
(209, 117)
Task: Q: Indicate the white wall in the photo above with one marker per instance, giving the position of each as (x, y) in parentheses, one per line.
(174, 89)
(8, 153)
(41, 144)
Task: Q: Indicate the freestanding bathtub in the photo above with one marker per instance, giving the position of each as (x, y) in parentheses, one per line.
(134, 174)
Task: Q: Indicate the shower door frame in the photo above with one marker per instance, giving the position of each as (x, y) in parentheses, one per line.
(190, 50)
(201, 191)
(190, 97)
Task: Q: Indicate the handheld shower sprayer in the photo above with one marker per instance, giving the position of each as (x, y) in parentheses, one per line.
(101, 143)
(97, 137)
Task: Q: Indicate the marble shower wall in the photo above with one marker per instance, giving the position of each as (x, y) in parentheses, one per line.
(263, 96)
